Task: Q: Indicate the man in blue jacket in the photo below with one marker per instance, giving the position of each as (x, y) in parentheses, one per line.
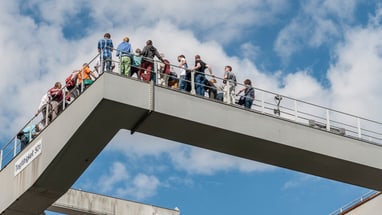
(124, 54)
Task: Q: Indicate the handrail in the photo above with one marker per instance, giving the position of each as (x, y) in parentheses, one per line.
(13, 146)
(365, 197)
(286, 108)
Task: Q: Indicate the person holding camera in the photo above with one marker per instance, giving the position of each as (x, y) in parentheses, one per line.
(230, 84)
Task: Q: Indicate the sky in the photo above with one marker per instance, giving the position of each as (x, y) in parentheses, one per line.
(327, 52)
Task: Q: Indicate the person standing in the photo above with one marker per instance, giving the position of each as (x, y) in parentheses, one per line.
(184, 82)
(56, 98)
(199, 77)
(136, 64)
(124, 54)
(45, 109)
(105, 48)
(148, 54)
(230, 84)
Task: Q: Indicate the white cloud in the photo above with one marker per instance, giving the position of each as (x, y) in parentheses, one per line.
(300, 181)
(143, 186)
(356, 75)
(117, 174)
(36, 54)
(319, 22)
(118, 180)
(201, 161)
(185, 158)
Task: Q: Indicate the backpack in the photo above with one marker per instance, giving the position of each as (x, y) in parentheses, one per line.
(166, 68)
(70, 81)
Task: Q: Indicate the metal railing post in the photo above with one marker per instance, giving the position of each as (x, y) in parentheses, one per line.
(47, 113)
(1, 159)
(82, 80)
(15, 148)
(156, 73)
(262, 102)
(151, 96)
(30, 134)
(295, 110)
(327, 120)
(64, 99)
(101, 61)
(193, 82)
(120, 63)
(359, 128)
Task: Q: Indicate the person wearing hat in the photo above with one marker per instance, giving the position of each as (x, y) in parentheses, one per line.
(124, 54)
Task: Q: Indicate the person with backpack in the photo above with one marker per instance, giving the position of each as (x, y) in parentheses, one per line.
(85, 77)
(71, 83)
(55, 99)
(148, 54)
(199, 77)
(249, 94)
(164, 71)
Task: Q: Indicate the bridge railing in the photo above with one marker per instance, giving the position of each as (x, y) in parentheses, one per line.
(265, 102)
(38, 123)
(365, 197)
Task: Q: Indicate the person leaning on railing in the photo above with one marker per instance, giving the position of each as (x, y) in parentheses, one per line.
(148, 54)
(71, 83)
(56, 97)
(43, 108)
(249, 94)
(27, 135)
(85, 76)
(200, 77)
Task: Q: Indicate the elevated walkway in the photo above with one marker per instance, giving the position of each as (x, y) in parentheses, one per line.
(84, 203)
(46, 169)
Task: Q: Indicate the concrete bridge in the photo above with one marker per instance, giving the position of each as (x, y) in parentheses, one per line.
(46, 169)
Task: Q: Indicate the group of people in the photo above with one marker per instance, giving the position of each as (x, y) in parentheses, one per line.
(56, 98)
(141, 63)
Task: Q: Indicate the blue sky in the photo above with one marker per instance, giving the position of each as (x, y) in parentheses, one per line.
(326, 52)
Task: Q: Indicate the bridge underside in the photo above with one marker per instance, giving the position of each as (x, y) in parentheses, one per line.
(80, 133)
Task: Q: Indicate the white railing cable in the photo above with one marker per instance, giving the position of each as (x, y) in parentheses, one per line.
(356, 201)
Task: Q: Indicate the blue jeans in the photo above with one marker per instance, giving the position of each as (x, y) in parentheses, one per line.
(106, 63)
(248, 102)
(200, 84)
(183, 83)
